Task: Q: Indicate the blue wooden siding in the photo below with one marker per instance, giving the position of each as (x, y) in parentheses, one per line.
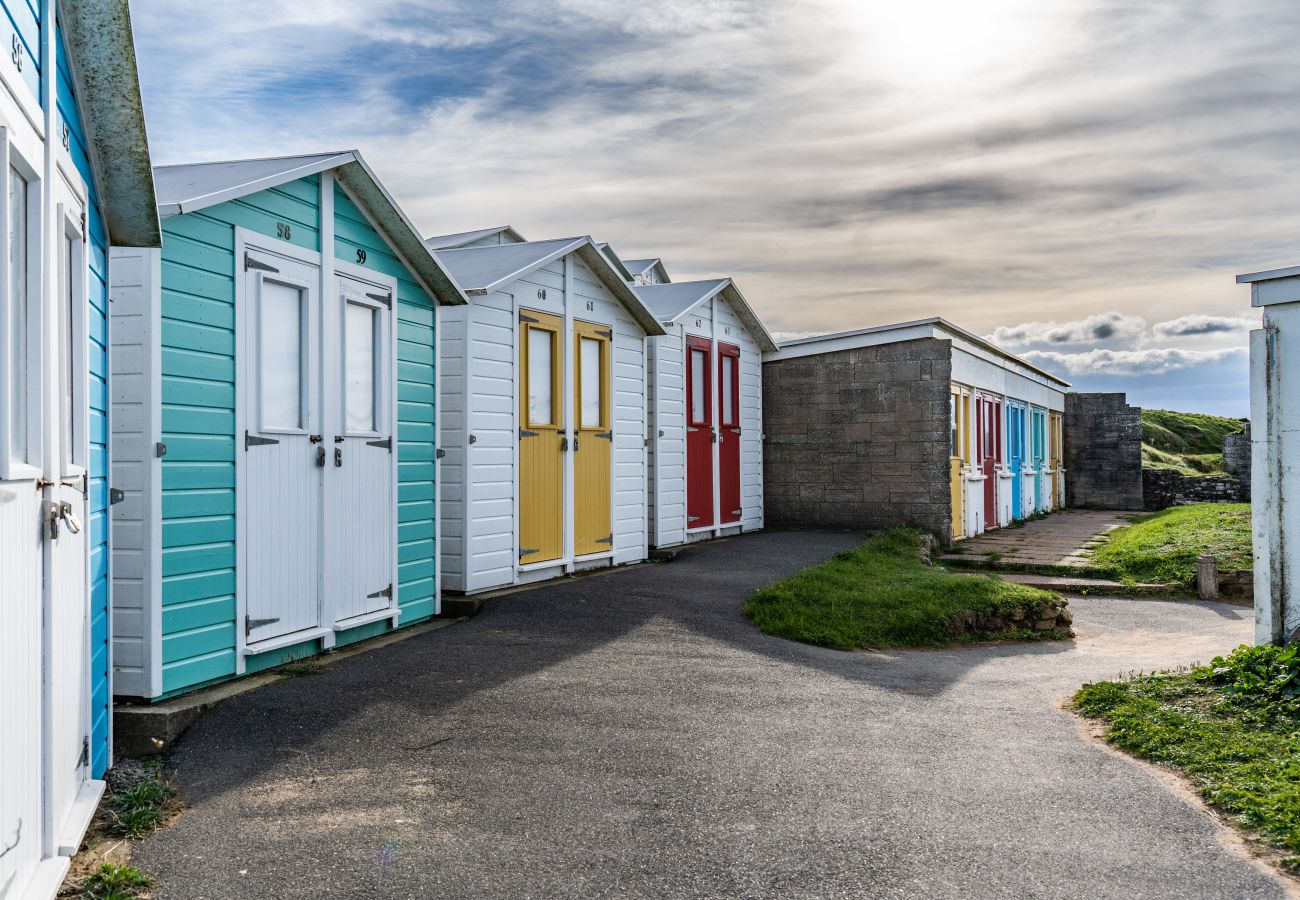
(198, 421)
(22, 20)
(97, 400)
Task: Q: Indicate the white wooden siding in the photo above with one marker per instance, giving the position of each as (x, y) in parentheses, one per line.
(751, 412)
(135, 284)
(668, 487)
(452, 369)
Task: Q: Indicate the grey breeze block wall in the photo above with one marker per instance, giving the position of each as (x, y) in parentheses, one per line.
(1236, 454)
(858, 439)
(1103, 452)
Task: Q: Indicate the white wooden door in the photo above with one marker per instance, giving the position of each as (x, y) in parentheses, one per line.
(67, 521)
(360, 475)
(282, 445)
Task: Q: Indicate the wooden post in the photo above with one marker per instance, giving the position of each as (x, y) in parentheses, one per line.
(1207, 578)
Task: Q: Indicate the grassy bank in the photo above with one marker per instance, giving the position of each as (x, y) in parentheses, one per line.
(1162, 547)
(1190, 443)
(1233, 728)
(882, 594)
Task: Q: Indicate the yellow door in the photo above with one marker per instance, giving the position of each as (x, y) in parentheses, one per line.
(541, 438)
(593, 440)
(960, 441)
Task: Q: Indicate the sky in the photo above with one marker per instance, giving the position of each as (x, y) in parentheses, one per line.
(1079, 180)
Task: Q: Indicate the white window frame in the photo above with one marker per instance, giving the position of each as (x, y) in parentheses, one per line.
(30, 469)
(306, 358)
(74, 341)
(383, 361)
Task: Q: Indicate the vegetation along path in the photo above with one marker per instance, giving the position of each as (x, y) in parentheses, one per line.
(632, 734)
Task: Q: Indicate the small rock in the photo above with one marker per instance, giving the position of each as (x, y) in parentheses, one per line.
(1045, 624)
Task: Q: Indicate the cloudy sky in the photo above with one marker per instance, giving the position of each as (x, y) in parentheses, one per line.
(1079, 179)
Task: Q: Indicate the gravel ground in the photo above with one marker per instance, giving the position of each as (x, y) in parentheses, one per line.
(631, 735)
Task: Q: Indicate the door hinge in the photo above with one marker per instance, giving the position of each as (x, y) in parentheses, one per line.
(250, 623)
(252, 440)
(386, 592)
(523, 433)
(606, 540)
(608, 335)
(737, 512)
(83, 224)
(523, 552)
(385, 444)
(692, 518)
(250, 263)
(84, 758)
(529, 319)
(605, 435)
(160, 449)
(386, 299)
(115, 496)
(440, 453)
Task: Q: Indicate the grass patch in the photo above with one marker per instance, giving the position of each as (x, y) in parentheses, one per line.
(299, 670)
(1189, 443)
(1232, 727)
(881, 594)
(1162, 547)
(140, 799)
(112, 882)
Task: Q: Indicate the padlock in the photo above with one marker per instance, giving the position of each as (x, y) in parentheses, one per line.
(67, 515)
(338, 457)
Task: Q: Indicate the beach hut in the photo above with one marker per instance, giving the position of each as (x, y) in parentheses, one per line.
(706, 411)
(77, 173)
(483, 237)
(911, 424)
(275, 426)
(543, 406)
(647, 271)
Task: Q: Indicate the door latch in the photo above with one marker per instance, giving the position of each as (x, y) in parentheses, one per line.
(338, 457)
(564, 443)
(320, 457)
(55, 511)
(715, 435)
(575, 443)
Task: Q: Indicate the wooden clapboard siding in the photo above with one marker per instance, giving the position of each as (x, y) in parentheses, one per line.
(729, 329)
(22, 19)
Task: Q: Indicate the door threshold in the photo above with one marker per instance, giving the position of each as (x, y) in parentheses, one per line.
(544, 564)
(700, 529)
(588, 557)
(367, 618)
(287, 640)
(83, 810)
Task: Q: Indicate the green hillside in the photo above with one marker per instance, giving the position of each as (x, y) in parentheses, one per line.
(1191, 443)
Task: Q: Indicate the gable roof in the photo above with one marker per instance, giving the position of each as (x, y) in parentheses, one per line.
(461, 238)
(934, 326)
(102, 55)
(483, 270)
(188, 188)
(641, 266)
(670, 302)
(613, 257)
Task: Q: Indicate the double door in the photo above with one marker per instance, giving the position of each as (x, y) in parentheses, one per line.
(712, 430)
(317, 509)
(988, 416)
(552, 435)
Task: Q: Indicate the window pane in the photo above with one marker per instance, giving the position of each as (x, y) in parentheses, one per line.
(17, 350)
(70, 350)
(952, 424)
(280, 334)
(359, 368)
(591, 379)
(728, 385)
(699, 387)
(541, 353)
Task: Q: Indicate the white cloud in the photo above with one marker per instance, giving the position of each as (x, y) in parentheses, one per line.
(1151, 361)
(1199, 325)
(1109, 327)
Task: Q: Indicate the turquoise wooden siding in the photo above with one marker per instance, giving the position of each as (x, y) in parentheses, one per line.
(198, 422)
(22, 20)
(97, 400)
(416, 449)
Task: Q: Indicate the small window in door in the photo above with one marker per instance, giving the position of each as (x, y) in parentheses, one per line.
(591, 369)
(728, 390)
(19, 321)
(280, 327)
(541, 384)
(360, 333)
(72, 344)
(699, 387)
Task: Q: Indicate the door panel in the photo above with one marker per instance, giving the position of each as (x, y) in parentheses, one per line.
(280, 494)
(1016, 457)
(699, 433)
(593, 440)
(360, 458)
(989, 417)
(541, 438)
(729, 434)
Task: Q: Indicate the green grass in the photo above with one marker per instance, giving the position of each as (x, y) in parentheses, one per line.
(1233, 728)
(1190, 443)
(1162, 547)
(112, 882)
(881, 594)
(139, 809)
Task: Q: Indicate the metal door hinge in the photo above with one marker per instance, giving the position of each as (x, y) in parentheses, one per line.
(250, 623)
(440, 453)
(252, 440)
(737, 512)
(605, 435)
(528, 319)
(386, 299)
(160, 449)
(523, 433)
(250, 263)
(115, 496)
(609, 335)
(606, 540)
(84, 758)
(385, 444)
(83, 224)
(692, 519)
(386, 592)
(523, 552)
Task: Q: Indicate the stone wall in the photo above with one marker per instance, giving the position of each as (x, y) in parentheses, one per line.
(1103, 452)
(1236, 454)
(858, 439)
(1163, 488)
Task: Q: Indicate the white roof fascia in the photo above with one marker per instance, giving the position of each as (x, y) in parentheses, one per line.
(1273, 287)
(194, 204)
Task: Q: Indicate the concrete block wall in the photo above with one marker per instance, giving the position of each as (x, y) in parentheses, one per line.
(1236, 454)
(858, 439)
(1103, 452)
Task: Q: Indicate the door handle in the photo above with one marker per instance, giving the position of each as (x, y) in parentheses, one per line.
(564, 443)
(320, 457)
(338, 457)
(575, 443)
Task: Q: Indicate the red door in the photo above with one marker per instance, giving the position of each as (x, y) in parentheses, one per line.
(990, 441)
(699, 433)
(729, 433)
